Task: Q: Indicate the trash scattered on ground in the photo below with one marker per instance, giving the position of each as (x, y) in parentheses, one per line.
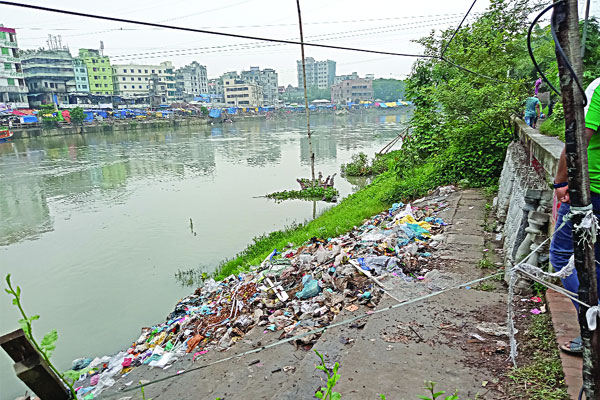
(293, 291)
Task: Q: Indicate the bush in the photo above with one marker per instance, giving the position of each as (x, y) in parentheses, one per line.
(360, 165)
(77, 115)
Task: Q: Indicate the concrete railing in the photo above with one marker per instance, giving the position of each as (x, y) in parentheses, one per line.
(525, 204)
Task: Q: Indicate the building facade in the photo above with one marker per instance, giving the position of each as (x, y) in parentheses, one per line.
(13, 90)
(267, 79)
(99, 71)
(191, 81)
(81, 76)
(156, 82)
(239, 93)
(352, 91)
(320, 74)
(341, 78)
(49, 75)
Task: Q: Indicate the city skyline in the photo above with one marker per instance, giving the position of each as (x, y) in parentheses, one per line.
(331, 24)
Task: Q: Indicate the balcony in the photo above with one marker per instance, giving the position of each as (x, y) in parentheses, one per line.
(6, 58)
(11, 74)
(13, 89)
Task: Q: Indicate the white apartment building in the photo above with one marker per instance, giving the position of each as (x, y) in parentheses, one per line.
(13, 91)
(267, 79)
(239, 93)
(139, 80)
(319, 74)
(191, 81)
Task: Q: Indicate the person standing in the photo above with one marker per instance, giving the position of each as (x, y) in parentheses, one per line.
(532, 110)
(561, 247)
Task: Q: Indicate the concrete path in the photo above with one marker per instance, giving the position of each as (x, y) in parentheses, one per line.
(392, 354)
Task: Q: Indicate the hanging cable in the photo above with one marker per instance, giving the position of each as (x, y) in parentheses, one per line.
(457, 29)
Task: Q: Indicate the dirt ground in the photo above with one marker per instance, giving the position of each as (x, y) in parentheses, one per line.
(454, 339)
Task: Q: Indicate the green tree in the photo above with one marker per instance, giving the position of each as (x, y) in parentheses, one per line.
(77, 115)
(204, 111)
(388, 89)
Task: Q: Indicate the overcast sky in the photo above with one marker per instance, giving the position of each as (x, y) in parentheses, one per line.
(375, 24)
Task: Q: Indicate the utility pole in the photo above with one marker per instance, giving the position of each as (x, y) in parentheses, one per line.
(310, 147)
(566, 22)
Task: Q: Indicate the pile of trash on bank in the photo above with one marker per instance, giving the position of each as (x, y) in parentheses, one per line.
(291, 292)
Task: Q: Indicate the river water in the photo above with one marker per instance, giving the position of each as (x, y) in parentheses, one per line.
(93, 228)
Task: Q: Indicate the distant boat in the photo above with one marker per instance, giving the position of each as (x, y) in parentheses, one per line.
(5, 134)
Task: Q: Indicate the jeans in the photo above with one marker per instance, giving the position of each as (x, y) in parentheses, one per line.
(531, 120)
(561, 247)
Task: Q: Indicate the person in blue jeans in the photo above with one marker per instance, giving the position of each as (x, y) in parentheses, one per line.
(561, 247)
(532, 110)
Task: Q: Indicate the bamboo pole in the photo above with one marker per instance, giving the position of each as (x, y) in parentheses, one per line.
(310, 147)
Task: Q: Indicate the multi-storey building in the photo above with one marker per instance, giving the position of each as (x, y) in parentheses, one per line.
(215, 86)
(49, 75)
(266, 79)
(320, 74)
(191, 81)
(352, 91)
(341, 78)
(99, 71)
(157, 82)
(239, 93)
(13, 91)
(81, 76)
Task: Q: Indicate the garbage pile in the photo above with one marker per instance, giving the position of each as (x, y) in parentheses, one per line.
(291, 292)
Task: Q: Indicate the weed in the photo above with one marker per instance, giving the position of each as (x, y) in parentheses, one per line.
(498, 277)
(543, 376)
(490, 191)
(48, 344)
(539, 289)
(327, 393)
(485, 263)
(485, 286)
(143, 394)
(429, 385)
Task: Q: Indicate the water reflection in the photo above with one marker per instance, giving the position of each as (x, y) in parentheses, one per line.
(87, 171)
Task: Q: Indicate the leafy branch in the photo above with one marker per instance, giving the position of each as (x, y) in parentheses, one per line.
(48, 343)
(429, 385)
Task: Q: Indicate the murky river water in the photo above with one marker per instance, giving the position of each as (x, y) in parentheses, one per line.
(93, 228)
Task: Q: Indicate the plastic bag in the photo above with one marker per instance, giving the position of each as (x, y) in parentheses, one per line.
(310, 289)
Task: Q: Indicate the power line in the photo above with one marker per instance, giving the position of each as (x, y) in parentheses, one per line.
(457, 28)
(216, 33)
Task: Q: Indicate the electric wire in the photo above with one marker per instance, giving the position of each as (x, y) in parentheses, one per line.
(457, 29)
(251, 37)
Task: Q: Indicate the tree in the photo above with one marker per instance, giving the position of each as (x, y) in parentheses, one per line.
(388, 89)
(77, 115)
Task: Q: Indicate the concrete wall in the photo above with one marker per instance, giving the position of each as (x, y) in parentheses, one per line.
(525, 187)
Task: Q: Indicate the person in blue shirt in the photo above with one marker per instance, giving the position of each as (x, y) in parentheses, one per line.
(532, 110)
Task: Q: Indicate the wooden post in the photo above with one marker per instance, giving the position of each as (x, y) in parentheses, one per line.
(310, 147)
(32, 369)
(566, 22)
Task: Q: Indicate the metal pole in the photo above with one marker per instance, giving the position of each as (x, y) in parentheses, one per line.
(565, 20)
(310, 147)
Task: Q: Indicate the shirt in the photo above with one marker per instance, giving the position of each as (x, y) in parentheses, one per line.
(530, 106)
(592, 121)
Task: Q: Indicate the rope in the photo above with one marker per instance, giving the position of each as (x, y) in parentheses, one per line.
(312, 332)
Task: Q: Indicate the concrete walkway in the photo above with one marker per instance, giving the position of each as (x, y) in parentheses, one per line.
(393, 353)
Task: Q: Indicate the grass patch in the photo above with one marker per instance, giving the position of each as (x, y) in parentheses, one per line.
(543, 376)
(485, 286)
(309, 193)
(352, 211)
(552, 127)
(485, 263)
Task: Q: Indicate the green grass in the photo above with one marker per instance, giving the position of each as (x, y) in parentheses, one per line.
(542, 376)
(550, 127)
(485, 286)
(485, 263)
(351, 211)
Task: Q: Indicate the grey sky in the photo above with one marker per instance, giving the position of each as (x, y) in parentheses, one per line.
(376, 24)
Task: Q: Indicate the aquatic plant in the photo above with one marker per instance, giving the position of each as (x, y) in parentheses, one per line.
(309, 193)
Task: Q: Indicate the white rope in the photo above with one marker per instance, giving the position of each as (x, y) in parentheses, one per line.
(592, 315)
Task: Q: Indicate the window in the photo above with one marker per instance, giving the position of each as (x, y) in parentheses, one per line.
(97, 85)
(124, 86)
(5, 51)
(124, 71)
(132, 78)
(2, 35)
(105, 85)
(103, 69)
(146, 71)
(131, 71)
(124, 78)
(140, 86)
(52, 85)
(146, 78)
(84, 86)
(139, 71)
(46, 84)
(139, 79)
(152, 71)
(94, 69)
(8, 66)
(104, 77)
(96, 77)
(10, 81)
